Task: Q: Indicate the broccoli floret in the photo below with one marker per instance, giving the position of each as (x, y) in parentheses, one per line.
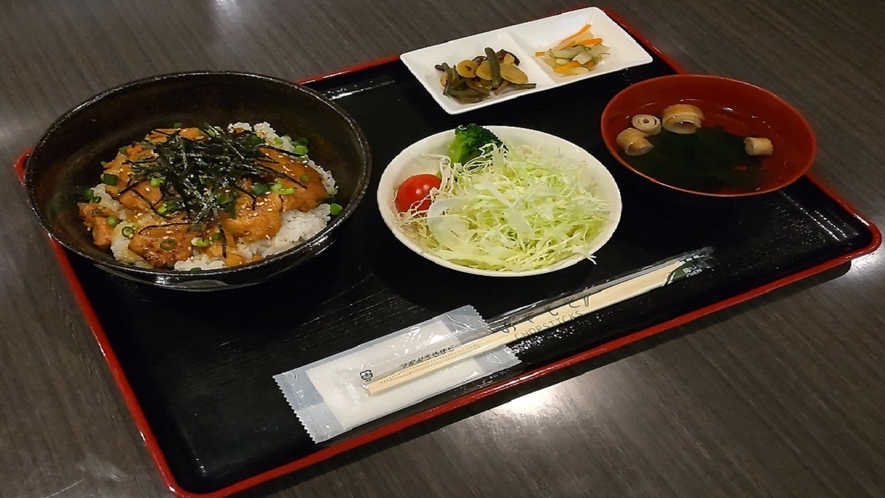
(468, 142)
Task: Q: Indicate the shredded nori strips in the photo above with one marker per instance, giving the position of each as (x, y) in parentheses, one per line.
(203, 177)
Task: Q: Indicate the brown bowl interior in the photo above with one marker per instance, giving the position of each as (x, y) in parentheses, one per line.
(67, 159)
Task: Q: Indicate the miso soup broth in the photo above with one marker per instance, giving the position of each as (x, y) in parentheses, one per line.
(712, 160)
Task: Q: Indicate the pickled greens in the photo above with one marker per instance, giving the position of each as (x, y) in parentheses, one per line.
(515, 208)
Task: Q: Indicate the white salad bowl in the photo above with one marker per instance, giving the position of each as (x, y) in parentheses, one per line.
(423, 157)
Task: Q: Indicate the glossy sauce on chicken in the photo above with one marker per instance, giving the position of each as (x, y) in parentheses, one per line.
(186, 191)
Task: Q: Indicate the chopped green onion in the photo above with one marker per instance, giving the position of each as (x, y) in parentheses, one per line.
(300, 150)
(168, 207)
(259, 189)
(216, 236)
(203, 176)
(109, 179)
(89, 196)
(177, 125)
(278, 188)
(128, 231)
(168, 244)
(123, 150)
(304, 178)
(335, 209)
(112, 221)
(224, 198)
(200, 242)
(196, 269)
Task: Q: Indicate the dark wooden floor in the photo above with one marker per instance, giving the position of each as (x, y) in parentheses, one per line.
(783, 395)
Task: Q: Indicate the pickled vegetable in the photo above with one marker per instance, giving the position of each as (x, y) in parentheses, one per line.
(473, 80)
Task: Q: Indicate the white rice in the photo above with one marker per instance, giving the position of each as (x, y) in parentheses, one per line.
(297, 226)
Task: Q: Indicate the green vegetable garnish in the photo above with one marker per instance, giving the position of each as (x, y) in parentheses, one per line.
(109, 179)
(200, 242)
(89, 196)
(224, 198)
(168, 244)
(299, 146)
(259, 189)
(169, 208)
(469, 142)
(495, 67)
(278, 188)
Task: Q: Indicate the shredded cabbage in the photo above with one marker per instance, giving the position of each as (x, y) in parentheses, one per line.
(518, 208)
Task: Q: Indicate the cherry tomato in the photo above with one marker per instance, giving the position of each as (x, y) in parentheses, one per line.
(415, 190)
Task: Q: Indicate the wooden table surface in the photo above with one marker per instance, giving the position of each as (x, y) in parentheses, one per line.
(783, 395)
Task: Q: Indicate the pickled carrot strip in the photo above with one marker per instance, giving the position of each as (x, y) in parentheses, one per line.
(580, 31)
(570, 40)
(590, 42)
(565, 67)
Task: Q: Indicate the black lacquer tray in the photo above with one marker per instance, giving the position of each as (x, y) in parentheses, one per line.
(196, 369)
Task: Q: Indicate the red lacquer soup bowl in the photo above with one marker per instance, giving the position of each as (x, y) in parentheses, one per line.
(732, 111)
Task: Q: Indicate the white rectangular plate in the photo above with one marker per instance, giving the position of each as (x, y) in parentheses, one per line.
(523, 40)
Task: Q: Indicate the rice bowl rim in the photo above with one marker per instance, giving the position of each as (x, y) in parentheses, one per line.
(164, 275)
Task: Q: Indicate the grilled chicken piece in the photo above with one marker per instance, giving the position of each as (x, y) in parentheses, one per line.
(308, 184)
(217, 250)
(167, 241)
(122, 168)
(162, 246)
(95, 217)
(256, 218)
(141, 197)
